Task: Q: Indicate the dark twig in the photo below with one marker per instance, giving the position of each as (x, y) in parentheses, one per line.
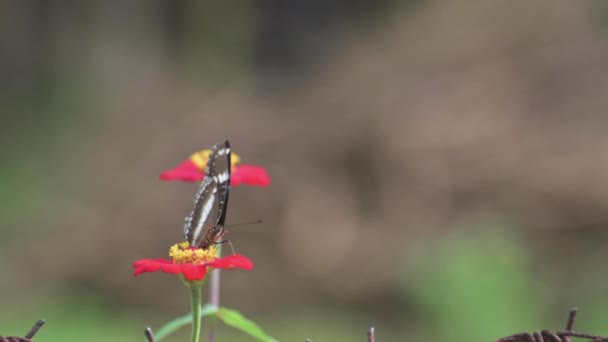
(549, 336)
(149, 334)
(371, 334)
(35, 329)
(571, 317)
(27, 338)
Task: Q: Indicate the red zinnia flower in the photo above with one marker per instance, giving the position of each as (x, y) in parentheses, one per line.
(193, 169)
(192, 263)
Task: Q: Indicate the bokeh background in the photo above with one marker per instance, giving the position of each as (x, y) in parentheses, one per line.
(439, 167)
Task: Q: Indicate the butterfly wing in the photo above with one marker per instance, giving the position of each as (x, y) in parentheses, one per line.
(223, 173)
(205, 224)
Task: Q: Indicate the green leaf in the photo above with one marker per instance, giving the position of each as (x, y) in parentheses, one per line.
(235, 319)
(180, 322)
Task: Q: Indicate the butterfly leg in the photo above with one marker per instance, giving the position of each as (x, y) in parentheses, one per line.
(230, 243)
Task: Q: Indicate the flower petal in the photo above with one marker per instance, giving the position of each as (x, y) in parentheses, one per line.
(194, 272)
(232, 261)
(190, 271)
(250, 175)
(186, 171)
(148, 265)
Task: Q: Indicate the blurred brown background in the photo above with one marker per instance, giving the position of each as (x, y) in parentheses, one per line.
(439, 168)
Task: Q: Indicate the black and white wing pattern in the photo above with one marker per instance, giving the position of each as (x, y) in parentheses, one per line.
(205, 225)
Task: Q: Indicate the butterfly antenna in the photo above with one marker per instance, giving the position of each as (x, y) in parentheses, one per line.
(244, 224)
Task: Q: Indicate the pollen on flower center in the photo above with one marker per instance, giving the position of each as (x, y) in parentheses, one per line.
(200, 159)
(182, 253)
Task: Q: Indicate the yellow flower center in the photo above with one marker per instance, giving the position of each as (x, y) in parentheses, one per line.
(200, 159)
(181, 253)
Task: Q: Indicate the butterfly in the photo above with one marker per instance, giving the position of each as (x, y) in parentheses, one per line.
(205, 224)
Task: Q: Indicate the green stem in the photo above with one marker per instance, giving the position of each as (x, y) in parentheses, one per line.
(195, 300)
(214, 297)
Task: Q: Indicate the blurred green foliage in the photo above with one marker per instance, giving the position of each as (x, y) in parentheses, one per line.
(71, 319)
(474, 284)
(33, 170)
